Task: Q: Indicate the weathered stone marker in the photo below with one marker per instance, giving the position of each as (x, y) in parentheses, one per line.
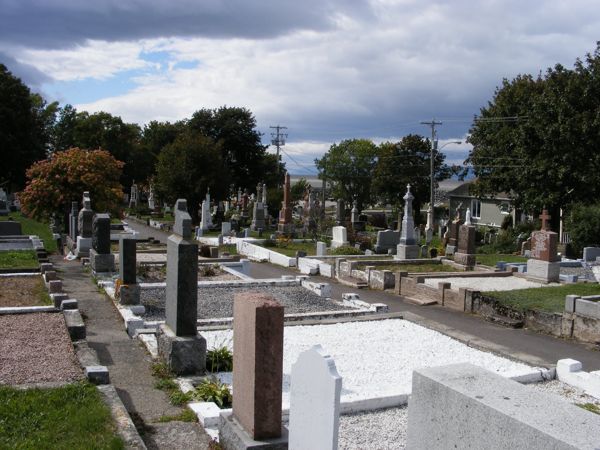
(178, 341)
(101, 260)
(314, 401)
(340, 237)
(286, 226)
(407, 248)
(257, 375)
(466, 246)
(84, 226)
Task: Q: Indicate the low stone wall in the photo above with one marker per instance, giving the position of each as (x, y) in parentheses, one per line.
(259, 253)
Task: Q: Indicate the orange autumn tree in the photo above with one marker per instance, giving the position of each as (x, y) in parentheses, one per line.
(52, 184)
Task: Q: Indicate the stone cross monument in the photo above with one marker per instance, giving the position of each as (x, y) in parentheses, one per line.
(285, 225)
(544, 265)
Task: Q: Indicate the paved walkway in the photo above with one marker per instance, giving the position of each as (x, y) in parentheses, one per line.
(129, 365)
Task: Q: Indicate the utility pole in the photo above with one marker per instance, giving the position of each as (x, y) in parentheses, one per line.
(278, 140)
(429, 226)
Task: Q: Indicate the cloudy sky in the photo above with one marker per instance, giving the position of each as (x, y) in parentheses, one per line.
(326, 69)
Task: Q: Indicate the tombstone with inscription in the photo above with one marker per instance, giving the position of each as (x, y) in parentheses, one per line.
(179, 343)
(407, 248)
(544, 264)
(465, 254)
(386, 240)
(101, 259)
(340, 237)
(453, 230)
(258, 217)
(206, 222)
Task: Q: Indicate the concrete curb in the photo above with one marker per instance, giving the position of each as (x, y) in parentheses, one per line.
(125, 427)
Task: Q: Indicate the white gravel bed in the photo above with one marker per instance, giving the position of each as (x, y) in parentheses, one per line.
(217, 302)
(487, 283)
(386, 428)
(376, 358)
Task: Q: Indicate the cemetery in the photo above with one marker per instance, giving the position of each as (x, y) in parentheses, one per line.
(214, 304)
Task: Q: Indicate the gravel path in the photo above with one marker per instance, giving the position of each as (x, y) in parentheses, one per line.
(218, 301)
(36, 348)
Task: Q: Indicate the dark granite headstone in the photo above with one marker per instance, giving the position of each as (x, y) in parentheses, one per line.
(127, 260)
(10, 228)
(101, 233)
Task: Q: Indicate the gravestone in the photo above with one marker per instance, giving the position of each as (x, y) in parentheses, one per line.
(340, 237)
(10, 228)
(357, 224)
(285, 225)
(544, 264)
(179, 344)
(339, 212)
(257, 374)
(133, 196)
(453, 230)
(101, 260)
(206, 222)
(129, 292)
(465, 254)
(264, 201)
(151, 202)
(258, 212)
(73, 221)
(220, 240)
(84, 227)
(314, 401)
(407, 248)
(321, 249)
(386, 240)
(591, 253)
(225, 228)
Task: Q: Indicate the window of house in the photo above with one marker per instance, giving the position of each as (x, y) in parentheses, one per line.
(475, 208)
(504, 208)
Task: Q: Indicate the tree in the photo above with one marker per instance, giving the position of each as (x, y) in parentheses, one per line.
(299, 188)
(348, 166)
(537, 137)
(407, 162)
(22, 140)
(583, 223)
(188, 167)
(234, 129)
(61, 179)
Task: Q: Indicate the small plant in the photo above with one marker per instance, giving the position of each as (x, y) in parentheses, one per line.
(166, 384)
(219, 360)
(178, 398)
(591, 407)
(214, 445)
(208, 270)
(345, 250)
(212, 390)
(161, 370)
(187, 415)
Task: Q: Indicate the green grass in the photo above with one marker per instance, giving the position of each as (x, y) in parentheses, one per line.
(493, 258)
(69, 417)
(591, 407)
(42, 293)
(290, 249)
(187, 415)
(229, 248)
(18, 259)
(413, 268)
(33, 227)
(548, 299)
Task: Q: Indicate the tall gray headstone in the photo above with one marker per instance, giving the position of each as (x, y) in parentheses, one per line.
(101, 260)
(127, 260)
(179, 344)
(73, 220)
(407, 248)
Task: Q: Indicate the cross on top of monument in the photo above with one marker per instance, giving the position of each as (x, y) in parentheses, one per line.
(408, 195)
(545, 219)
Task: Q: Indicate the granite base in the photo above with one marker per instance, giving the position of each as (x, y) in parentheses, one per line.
(543, 271)
(465, 259)
(404, 251)
(184, 355)
(129, 294)
(102, 262)
(233, 437)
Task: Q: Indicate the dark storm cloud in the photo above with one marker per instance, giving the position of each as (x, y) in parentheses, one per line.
(63, 23)
(29, 75)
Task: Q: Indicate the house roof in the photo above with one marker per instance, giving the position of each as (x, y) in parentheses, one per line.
(463, 191)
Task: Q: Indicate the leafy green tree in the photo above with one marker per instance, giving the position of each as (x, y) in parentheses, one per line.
(22, 130)
(407, 162)
(64, 128)
(545, 155)
(55, 182)
(234, 129)
(188, 167)
(299, 188)
(583, 223)
(348, 166)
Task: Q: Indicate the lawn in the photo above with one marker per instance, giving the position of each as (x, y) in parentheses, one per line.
(413, 268)
(18, 259)
(549, 299)
(23, 291)
(492, 258)
(69, 417)
(33, 227)
(290, 248)
(229, 248)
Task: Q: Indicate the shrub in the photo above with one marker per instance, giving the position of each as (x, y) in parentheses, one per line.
(345, 250)
(219, 360)
(209, 270)
(583, 224)
(506, 242)
(212, 390)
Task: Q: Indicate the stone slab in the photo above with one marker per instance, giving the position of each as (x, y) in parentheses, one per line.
(543, 271)
(404, 251)
(102, 262)
(10, 228)
(101, 233)
(544, 245)
(75, 325)
(182, 281)
(184, 355)
(129, 294)
(97, 374)
(69, 304)
(468, 260)
(589, 253)
(465, 406)
(587, 308)
(58, 298)
(127, 260)
(233, 437)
